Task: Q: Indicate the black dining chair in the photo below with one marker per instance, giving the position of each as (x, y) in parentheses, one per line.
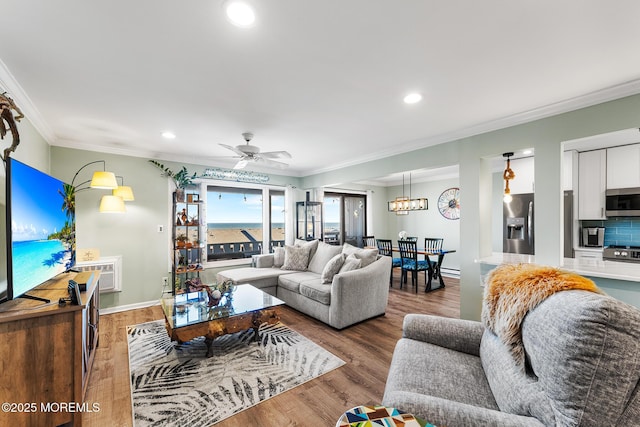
(410, 262)
(385, 247)
(369, 241)
(432, 244)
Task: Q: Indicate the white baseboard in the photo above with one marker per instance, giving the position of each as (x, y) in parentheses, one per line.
(120, 308)
(449, 272)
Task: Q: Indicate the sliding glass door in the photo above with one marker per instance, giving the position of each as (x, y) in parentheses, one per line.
(344, 218)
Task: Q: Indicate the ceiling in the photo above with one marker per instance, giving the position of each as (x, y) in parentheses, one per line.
(323, 80)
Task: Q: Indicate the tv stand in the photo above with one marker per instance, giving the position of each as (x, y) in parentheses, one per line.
(27, 296)
(48, 351)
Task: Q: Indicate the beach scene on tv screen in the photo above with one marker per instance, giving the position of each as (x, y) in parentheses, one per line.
(42, 227)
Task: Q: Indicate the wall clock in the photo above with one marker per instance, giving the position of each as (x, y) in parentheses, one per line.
(449, 203)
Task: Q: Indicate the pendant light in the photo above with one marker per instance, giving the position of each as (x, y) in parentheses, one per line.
(507, 176)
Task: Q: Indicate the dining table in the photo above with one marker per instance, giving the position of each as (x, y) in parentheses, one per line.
(434, 266)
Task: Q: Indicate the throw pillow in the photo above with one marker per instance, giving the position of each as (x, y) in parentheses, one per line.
(324, 253)
(295, 258)
(367, 256)
(350, 263)
(333, 266)
(311, 244)
(278, 256)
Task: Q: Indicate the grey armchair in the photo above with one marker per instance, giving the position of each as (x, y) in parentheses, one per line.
(582, 367)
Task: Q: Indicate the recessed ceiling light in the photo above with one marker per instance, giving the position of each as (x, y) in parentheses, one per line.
(240, 13)
(168, 135)
(412, 98)
(527, 152)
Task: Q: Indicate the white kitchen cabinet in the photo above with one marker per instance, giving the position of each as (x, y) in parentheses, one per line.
(569, 166)
(592, 181)
(589, 256)
(524, 181)
(623, 166)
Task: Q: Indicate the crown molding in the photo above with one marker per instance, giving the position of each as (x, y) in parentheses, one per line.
(583, 101)
(9, 84)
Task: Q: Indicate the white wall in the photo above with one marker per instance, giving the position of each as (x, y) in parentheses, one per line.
(428, 223)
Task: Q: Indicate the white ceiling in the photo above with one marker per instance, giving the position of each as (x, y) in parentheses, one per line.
(323, 80)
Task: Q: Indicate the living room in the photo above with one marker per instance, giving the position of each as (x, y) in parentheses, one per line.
(604, 107)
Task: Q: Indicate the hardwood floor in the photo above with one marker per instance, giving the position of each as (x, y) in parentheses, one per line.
(366, 347)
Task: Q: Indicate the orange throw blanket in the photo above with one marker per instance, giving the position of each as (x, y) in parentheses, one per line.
(512, 290)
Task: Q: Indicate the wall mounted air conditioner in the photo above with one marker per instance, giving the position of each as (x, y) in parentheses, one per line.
(110, 272)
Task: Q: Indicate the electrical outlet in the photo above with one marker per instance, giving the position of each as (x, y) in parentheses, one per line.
(165, 282)
(160, 228)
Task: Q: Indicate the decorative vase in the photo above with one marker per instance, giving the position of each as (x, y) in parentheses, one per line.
(179, 194)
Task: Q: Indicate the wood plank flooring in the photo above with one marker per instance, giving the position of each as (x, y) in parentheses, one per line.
(366, 347)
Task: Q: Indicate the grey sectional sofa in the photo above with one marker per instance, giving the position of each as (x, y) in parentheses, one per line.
(583, 367)
(354, 293)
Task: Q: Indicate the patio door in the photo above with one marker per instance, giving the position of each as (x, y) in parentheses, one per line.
(344, 218)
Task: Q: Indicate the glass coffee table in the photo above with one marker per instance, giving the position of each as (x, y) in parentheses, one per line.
(189, 315)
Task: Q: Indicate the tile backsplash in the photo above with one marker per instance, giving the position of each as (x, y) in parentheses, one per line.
(618, 231)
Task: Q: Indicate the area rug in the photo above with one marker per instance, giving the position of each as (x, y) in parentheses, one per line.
(176, 385)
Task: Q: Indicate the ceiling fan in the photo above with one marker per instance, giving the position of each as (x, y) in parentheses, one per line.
(250, 153)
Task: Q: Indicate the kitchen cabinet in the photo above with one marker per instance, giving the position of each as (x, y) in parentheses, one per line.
(524, 181)
(592, 181)
(588, 256)
(623, 166)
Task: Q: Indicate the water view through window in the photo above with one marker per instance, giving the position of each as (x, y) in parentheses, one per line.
(235, 221)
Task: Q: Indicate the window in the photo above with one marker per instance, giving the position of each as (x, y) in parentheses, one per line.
(344, 218)
(236, 218)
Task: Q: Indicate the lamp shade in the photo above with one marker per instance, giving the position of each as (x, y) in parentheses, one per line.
(104, 179)
(124, 192)
(112, 204)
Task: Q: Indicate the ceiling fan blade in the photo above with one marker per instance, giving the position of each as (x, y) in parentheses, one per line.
(273, 163)
(276, 155)
(234, 149)
(241, 164)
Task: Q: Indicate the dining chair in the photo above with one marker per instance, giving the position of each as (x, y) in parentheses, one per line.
(385, 247)
(410, 262)
(369, 241)
(432, 244)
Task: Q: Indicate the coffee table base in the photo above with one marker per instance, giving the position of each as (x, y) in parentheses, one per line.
(218, 327)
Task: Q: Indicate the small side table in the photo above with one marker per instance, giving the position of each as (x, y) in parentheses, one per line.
(383, 415)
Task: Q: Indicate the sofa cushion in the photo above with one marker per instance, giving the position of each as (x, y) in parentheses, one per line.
(296, 258)
(367, 256)
(324, 253)
(316, 291)
(258, 277)
(351, 263)
(333, 266)
(293, 280)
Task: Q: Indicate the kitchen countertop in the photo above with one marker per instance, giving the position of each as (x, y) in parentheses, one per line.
(628, 271)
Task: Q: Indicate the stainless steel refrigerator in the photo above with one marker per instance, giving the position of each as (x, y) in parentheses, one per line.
(518, 225)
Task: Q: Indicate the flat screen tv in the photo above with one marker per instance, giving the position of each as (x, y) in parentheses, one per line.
(40, 227)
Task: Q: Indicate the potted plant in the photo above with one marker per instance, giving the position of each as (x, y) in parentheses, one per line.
(181, 179)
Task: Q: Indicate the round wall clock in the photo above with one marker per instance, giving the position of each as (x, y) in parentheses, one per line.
(449, 203)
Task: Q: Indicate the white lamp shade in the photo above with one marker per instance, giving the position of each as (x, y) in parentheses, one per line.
(112, 204)
(124, 192)
(105, 180)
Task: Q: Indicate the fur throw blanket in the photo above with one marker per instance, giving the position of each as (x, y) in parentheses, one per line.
(512, 290)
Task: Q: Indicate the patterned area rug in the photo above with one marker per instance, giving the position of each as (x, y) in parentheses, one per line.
(176, 385)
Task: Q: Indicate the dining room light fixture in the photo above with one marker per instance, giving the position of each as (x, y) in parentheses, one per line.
(402, 205)
(507, 175)
(123, 191)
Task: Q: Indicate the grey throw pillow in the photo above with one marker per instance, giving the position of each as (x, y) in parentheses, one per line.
(278, 256)
(311, 244)
(367, 256)
(333, 266)
(324, 253)
(295, 258)
(350, 263)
